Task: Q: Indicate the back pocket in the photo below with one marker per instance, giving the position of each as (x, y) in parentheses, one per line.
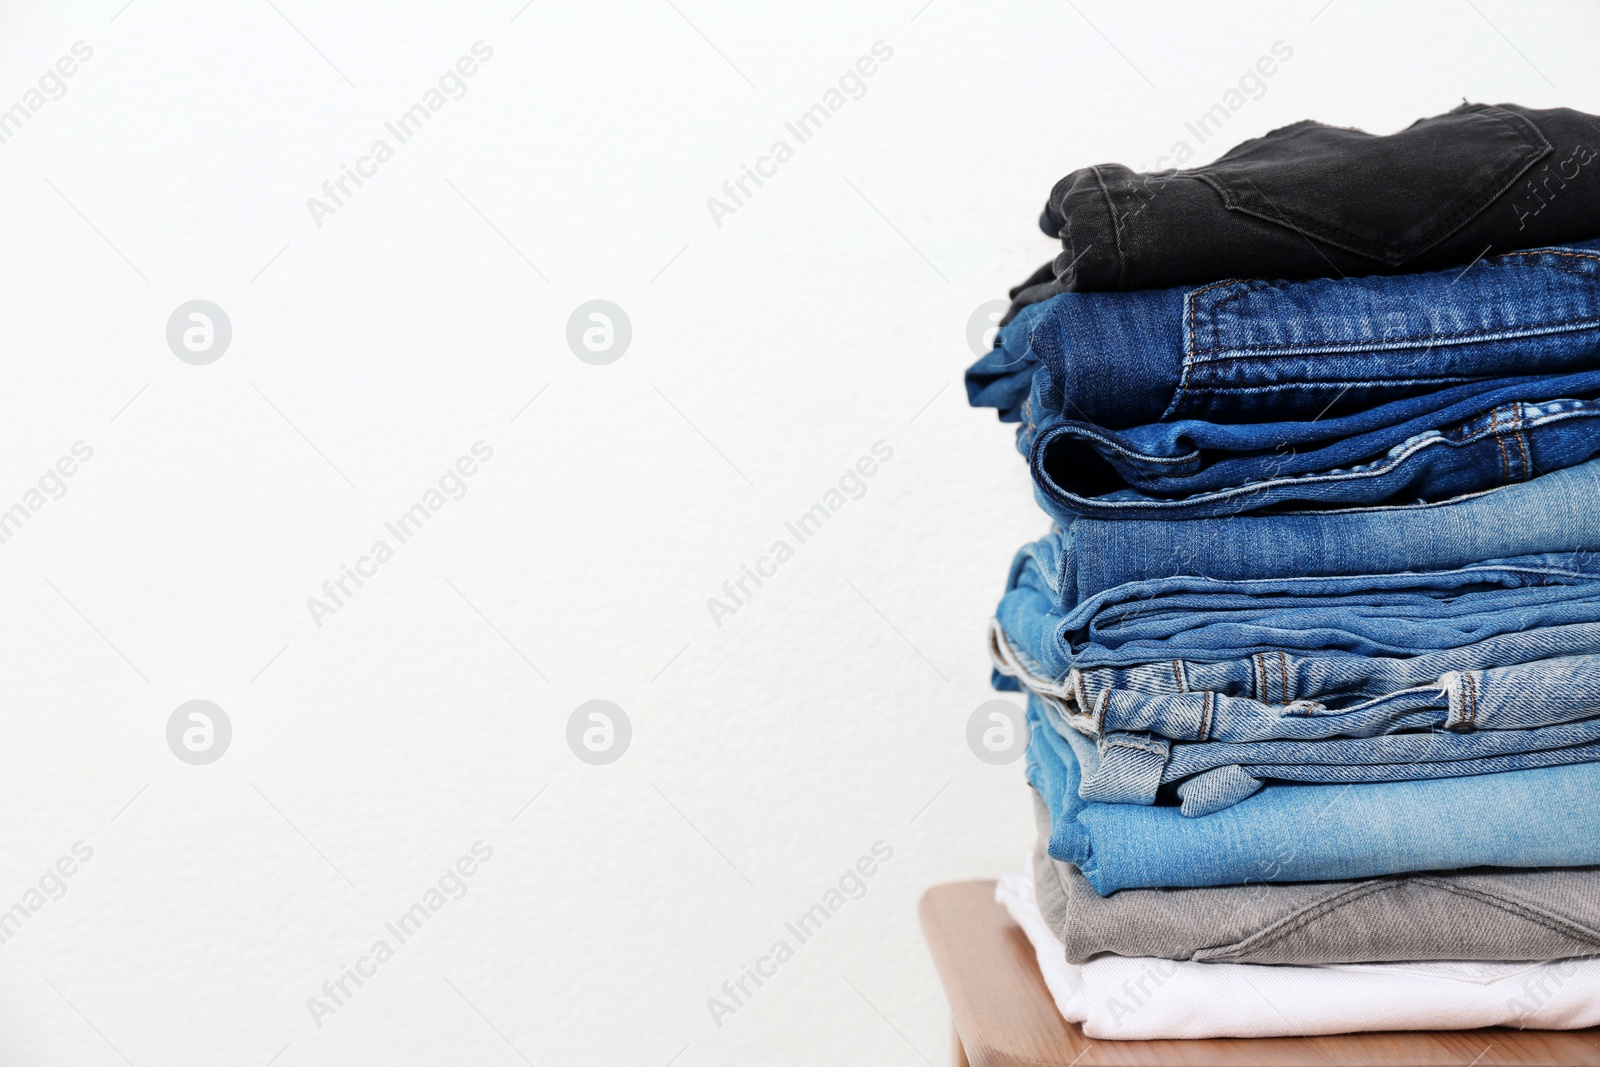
(1389, 198)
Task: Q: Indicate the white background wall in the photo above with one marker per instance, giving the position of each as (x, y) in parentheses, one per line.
(768, 354)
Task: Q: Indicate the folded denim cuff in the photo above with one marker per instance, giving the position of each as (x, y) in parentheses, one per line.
(1130, 772)
(1014, 662)
(1216, 789)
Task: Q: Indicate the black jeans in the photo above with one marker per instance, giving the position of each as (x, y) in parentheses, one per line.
(1312, 201)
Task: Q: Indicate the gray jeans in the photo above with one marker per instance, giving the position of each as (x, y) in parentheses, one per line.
(1486, 914)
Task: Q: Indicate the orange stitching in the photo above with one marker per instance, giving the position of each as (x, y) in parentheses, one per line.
(1522, 443)
(1505, 459)
(1191, 347)
(1190, 297)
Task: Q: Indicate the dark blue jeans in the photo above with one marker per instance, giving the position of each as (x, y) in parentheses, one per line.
(1433, 447)
(1356, 391)
(1273, 351)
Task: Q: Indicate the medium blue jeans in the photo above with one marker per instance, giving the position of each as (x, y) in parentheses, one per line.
(1282, 351)
(1555, 513)
(1406, 614)
(1192, 469)
(1304, 833)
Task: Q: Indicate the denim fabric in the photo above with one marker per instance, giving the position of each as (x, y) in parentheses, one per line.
(1003, 377)
(1406, 614)
(1555, 513)
(1310, 200)
(1536, 693)
(1335, 680)
(1211, 775)
(1306, 833)
(1190, 469)
(1483, 914)
(1265, 351)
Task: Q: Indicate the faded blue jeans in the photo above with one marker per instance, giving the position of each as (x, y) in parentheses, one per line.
(1406, 614)
(1496, 683)
(1304, 833)
(1279, 696)
(1212, 775)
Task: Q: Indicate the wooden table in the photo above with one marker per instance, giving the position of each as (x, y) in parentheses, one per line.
(1004, 1016)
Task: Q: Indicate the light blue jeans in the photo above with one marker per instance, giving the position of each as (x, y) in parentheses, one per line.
(1212, 775)
(1545, 817)
(1274, 696)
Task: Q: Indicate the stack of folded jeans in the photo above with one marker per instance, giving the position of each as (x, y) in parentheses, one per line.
(1312, 649)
